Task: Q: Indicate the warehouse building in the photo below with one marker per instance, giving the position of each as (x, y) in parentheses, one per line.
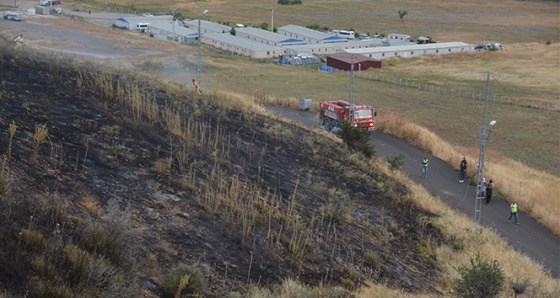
(413, 50)
(242, 46)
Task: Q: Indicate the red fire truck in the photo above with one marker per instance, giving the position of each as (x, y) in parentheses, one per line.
(333, 113)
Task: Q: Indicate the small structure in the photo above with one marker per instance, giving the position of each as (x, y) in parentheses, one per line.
(44, 10)
(343, 61)
(398, 37)
(305, 104)
(292, 57)
(420, 39)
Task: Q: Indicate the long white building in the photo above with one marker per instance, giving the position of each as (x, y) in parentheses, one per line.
(413, 50)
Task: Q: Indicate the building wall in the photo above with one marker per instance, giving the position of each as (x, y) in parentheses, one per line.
(415, 53)
(347, 66)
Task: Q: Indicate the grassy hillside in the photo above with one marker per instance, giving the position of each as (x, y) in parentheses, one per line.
(118, 180)
(116, 184)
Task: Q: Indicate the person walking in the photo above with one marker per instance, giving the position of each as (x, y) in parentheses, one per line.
(425, 167)
(196, 86)
(513, 207)
(489, 190)
(463, 170)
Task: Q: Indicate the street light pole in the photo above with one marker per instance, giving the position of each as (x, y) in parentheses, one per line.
(199, 61)
(479, 186)
(173, 22)
(272, 20)
(352, 90)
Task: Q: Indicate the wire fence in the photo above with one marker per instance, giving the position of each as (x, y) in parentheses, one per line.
(473, 95)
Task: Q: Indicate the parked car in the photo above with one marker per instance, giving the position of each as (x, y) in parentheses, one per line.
(13, 16)
(49, 2)
(480, 47)
(494, 46)
(147, 15)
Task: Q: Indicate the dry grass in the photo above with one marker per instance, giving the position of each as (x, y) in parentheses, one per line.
(534, 191)
(465, 235)
(474, 21)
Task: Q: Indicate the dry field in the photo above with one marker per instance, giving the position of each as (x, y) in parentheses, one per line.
(527, 70)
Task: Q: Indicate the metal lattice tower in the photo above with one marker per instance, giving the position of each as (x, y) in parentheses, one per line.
(479, 186)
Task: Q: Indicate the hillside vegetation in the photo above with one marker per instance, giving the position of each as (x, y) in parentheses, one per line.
(115, 184)
(116, 180)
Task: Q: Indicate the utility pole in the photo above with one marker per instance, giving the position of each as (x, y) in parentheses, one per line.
(272, 21)
(352, 90)
(173, 21)
(479, 186)
(200, 61)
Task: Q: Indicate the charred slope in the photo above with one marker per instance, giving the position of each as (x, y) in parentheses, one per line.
(111, 180)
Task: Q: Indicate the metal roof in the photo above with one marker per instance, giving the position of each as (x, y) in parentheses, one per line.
(242, 42)
(210, 26)
(179, 30)
(347, 57)
(314, 34)
(429, 46)
(146, 19)
(267, 35)
(352, 43)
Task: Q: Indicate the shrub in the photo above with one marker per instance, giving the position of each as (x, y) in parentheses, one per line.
(172, 281)
(373, 260)
(348, 283)
(482, 279)
(356, 138)
(395, 161)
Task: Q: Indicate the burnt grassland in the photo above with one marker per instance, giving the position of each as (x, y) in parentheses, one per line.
(113, 182)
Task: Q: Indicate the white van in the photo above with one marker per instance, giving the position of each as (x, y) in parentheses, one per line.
(239, 26)
(142, 26)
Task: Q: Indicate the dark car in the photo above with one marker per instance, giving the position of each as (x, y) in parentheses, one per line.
(480, 47)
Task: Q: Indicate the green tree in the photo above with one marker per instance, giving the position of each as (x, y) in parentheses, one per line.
(264, 26)
(395, 161)
(232, 31)
(482, 279)
(356, 138)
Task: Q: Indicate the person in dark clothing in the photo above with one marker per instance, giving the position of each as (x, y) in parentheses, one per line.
(463, 169)
(489, 190)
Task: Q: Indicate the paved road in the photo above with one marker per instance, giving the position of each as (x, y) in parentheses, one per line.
(530, 237)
